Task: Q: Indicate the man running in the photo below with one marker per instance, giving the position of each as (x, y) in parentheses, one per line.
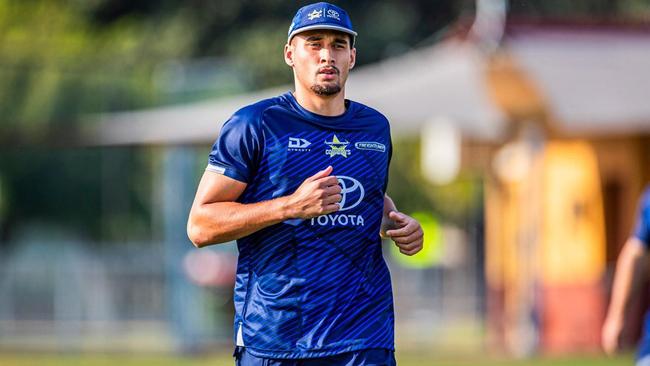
(299, 181)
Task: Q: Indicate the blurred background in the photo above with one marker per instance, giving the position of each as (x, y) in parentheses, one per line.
(521, 141)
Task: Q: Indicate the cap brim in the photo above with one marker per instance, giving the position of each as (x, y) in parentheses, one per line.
(320, 26)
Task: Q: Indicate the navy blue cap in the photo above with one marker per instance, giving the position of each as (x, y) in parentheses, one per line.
(321, 16)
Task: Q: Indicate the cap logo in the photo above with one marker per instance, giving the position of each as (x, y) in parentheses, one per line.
(333, 14)
(320, 15)
(315, 14)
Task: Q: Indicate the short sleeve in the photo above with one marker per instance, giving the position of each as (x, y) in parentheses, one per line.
(236, 151)
(390, 156)
(642, 228)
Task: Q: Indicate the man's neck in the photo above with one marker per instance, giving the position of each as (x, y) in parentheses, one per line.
(331, 106)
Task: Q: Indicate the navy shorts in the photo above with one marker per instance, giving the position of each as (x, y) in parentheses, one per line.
(368, 357)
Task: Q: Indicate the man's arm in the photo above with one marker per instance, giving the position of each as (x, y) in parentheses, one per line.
(215, 217)
(629, 275)
(404, 230)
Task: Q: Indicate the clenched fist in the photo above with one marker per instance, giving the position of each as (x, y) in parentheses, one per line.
(404, 230)
(318, 195)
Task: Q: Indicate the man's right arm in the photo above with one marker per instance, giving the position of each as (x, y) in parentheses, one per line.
(216, 217)
(631, 271)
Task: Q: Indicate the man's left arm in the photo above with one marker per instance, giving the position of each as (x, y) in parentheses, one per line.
(404, 230)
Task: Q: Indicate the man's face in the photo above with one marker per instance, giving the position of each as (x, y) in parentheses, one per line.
(321, 60)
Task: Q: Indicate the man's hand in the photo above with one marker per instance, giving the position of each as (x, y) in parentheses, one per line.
(318, 195)
(611, 335)
(405, 231)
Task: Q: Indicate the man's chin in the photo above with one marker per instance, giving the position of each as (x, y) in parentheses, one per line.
(326, 90)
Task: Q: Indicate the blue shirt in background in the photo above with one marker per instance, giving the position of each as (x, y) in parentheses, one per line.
(642, 229)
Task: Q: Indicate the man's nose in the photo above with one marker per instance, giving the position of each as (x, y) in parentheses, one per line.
(326, 55)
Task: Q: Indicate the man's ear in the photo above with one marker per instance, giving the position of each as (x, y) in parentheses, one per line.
(288, 54)
(353, 57)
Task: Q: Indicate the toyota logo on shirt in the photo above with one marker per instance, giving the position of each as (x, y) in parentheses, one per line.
(351, 191)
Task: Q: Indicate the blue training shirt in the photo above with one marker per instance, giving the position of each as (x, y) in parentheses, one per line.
(316, 287)
(642, 228)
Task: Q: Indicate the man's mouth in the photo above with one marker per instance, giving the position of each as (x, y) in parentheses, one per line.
(328, 71)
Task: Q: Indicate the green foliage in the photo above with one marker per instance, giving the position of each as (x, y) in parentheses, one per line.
(56, 65)
(60, 60)
(260, 49)
(639, 9)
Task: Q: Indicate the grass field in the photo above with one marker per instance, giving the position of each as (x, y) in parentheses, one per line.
(404, 359)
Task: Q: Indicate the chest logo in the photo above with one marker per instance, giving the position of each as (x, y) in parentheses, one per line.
(352, 192)
(370, 145)
(337, 147)
(298, 144)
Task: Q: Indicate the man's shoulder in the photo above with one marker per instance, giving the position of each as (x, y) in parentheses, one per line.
(252, 112)
(367, 110)
(363, 110)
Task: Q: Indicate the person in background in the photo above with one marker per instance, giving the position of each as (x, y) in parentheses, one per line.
(631, 273)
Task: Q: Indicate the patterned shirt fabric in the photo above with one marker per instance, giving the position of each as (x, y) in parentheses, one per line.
(315, 287)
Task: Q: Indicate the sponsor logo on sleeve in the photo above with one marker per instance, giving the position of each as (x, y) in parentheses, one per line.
(298, 144)
(216, 168)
